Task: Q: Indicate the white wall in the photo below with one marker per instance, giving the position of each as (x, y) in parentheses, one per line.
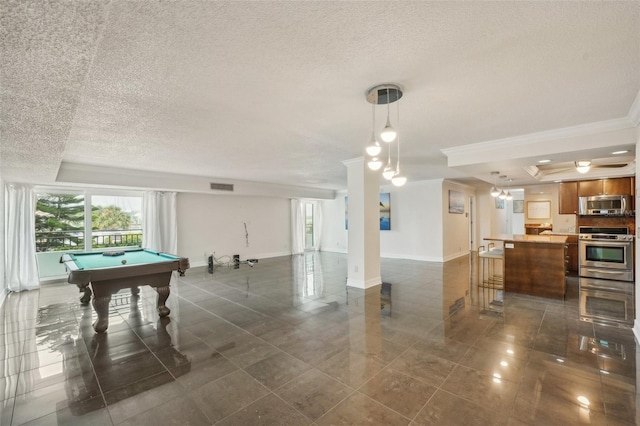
(517, 219)
(417, 223)
(491, 220)
(455, 227)
(215, 223)
(334, 234)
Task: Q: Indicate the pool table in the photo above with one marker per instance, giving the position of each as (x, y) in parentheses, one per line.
(108, 272)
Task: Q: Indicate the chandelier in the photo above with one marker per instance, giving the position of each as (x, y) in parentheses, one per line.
(385, 94)
(498, 192)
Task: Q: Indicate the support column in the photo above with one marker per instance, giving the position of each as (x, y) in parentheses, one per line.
(363, 224)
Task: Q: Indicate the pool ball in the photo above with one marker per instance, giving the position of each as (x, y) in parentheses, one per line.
(124, 261)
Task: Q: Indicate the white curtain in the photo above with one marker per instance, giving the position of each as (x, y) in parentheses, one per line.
(317, 226)
(297, 226)
(21, 268)
(159, 223)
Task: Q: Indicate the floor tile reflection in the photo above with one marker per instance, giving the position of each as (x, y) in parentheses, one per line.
(286, 342)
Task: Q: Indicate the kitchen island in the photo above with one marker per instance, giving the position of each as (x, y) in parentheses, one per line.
(534, 264)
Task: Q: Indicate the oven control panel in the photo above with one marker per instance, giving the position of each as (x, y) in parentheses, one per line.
(607, 237)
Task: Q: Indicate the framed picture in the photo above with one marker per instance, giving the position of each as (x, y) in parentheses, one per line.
(456, 202)
(518, 206)
(539, 209)
(499, 203)
(385, 212)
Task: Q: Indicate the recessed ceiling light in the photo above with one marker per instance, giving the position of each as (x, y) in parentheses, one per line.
(619, 152)
(544, 161)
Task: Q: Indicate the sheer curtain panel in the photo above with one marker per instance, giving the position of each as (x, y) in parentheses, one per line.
(317, 226)
(159, 223)
(20, 226)
(297, 226)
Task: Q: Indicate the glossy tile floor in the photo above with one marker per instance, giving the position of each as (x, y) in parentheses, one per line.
(285, 343)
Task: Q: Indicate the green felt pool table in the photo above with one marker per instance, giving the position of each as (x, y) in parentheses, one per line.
(107, 274)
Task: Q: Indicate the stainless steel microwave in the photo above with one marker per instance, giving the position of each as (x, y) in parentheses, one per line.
(605, 205)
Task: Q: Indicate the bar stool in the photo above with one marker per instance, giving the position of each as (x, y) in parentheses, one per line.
(491, 277)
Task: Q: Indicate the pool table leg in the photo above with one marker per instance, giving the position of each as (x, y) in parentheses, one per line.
(101, 306)
(86, 297)
(163, 295)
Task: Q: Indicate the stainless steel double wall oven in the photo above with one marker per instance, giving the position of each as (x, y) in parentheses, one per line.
(606, 263)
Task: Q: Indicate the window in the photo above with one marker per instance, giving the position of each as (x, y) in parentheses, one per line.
(59, 221)
(68, 220)
(116, 221)
(62, 219)
(309, 243)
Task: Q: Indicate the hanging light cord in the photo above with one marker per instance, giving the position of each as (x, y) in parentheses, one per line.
(398, 135)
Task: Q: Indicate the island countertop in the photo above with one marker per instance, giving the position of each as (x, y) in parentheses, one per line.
(520, 238)
(534, 264)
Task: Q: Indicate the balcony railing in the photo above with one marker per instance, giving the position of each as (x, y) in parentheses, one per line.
(74, 240)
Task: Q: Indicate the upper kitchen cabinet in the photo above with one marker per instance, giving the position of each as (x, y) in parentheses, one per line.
(617, 186)
(568, 198)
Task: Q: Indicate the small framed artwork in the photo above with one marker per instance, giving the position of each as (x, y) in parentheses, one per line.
(385, 211)
(456, 202)
(518, 206)
(499, 203)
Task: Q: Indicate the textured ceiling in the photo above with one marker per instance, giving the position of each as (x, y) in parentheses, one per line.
(275, 91)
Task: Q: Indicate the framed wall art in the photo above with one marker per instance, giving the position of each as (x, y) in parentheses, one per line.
(539, 209)
(518, 206)
(456, 202)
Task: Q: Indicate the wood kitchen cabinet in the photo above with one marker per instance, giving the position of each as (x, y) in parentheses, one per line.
(616, 186)
(568, 198)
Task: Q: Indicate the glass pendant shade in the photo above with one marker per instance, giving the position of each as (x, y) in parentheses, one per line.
(374, 164)
(388, 134)
(502, 195)
(388, 172)
(374, 148)
(495, 192)
(509, 195)
(399, 180)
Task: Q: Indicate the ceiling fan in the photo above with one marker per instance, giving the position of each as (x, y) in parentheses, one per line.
(581, 166)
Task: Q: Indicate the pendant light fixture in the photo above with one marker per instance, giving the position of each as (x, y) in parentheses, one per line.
(509, 196)
(374, 147)
(494, 190)
(389, 172)
(381, 95)
(502, 195)
(388, 134)
(398, 179)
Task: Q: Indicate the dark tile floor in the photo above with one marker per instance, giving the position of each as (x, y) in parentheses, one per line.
(285, 343)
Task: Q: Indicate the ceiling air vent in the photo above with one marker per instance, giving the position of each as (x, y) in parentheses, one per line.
(221, 186)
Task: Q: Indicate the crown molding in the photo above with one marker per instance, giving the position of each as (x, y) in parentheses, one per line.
(545, 136)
